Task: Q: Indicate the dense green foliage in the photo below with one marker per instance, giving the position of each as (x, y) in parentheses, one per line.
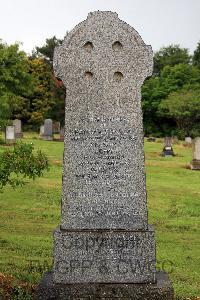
(183, 106)
(28, 89)
(173, 74)
(196, 56)
(170, 56)
(15, 81)
(21, 163)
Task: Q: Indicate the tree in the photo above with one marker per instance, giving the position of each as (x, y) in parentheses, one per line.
(21, 163)
(57, 111)
(183, 106)
(48, 49)
(40, 101)
(157, 88)
(15, 81)
(170, 56)
(196, 56)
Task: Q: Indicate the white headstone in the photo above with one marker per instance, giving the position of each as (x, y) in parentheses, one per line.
(188, 140)
(10, 134)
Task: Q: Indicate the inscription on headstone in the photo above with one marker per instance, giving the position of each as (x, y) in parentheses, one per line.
(104, 236)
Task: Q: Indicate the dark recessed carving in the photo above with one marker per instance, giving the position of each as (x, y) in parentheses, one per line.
(88, 47)
(88, 75)
(117, 46)
(118, 76)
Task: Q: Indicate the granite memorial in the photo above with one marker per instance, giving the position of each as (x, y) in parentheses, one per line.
(188, 140)
(41, 131)
(195, 163)
(104, 247)
(48, 130)
(10, 134)
(56, 127)
(167, 149)
(18, 128)
(62, 132)
(151, 139)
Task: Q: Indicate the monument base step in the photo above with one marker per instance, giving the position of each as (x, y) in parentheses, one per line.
(161, 290)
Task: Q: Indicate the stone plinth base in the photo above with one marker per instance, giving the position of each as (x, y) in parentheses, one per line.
(107, 256)
(195, 164)
(161, 290)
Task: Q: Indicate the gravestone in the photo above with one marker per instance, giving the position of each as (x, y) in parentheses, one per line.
(175, 140)
(151, 139)
(10, 134)
(104, 247)
(48, 130)
(18, 128)
(167, 149)
(188, 140)
(41, 131)
(195, 163)
(56, 127)
(62, 132)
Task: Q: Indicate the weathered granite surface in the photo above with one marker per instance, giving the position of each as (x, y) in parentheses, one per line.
(103, 62)
(104, 256)
(161, 290)
(195, 163)
(104, 246)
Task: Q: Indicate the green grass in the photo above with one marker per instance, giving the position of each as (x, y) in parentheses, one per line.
(29, 214)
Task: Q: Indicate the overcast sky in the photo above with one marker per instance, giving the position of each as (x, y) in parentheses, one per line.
(159, 22)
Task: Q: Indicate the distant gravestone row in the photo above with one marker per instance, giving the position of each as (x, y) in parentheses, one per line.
(14, 131)
(49, 128)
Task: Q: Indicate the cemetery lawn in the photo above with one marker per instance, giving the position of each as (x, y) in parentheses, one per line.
(29, 214)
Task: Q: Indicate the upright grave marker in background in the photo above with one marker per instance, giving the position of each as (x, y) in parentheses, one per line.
(10, 134)
(167, 149)
(188, 140)
(41, 131)
(18, 128)
(48, 130)
(195, 163)
(104, 236)
(56, 127)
